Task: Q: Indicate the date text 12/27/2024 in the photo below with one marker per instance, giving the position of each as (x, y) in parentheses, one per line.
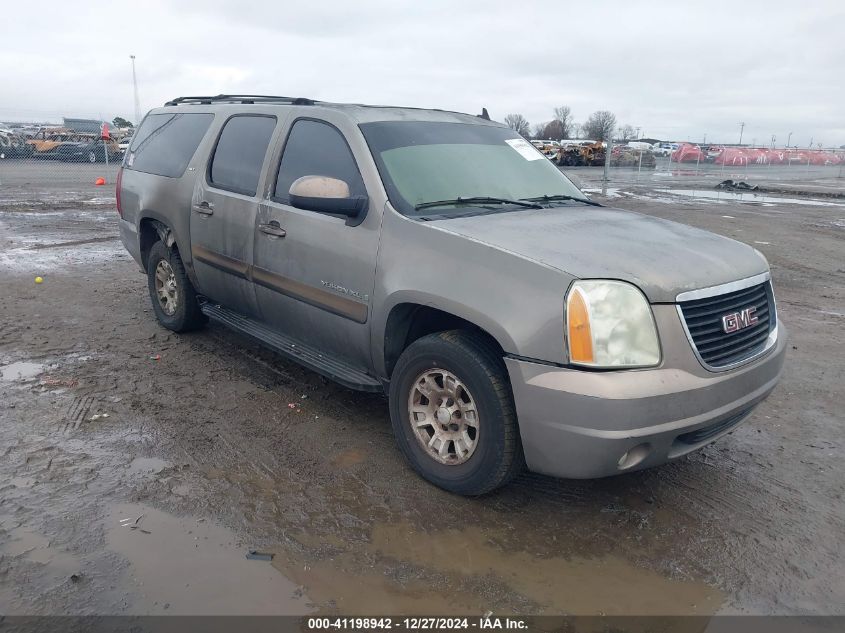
(417, 624)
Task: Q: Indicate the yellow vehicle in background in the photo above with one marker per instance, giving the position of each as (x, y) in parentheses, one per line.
(49, 138)
(584, 154)
(548, 147)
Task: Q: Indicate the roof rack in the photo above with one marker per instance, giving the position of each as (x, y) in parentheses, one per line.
(240, 99)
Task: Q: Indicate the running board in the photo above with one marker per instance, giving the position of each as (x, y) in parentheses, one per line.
(305, 355)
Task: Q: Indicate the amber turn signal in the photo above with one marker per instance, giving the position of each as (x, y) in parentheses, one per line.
(580, 337)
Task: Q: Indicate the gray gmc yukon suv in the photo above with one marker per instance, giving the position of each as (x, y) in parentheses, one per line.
(440, 258)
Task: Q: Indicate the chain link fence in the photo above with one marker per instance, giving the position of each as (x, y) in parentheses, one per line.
(684, 166)
(69, 160)
(57, 163)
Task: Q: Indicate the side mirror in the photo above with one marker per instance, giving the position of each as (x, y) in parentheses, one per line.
(326, 195)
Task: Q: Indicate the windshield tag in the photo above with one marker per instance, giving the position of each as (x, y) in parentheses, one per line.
(525, 149)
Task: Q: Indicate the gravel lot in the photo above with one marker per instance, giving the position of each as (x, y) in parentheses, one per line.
(138, 467)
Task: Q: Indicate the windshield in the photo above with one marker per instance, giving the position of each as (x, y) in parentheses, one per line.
(422, 162)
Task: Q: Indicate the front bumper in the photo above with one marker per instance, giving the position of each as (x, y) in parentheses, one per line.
(585, 424)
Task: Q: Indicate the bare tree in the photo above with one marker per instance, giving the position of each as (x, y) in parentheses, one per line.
(538, 130)
(627, 132)
(553, 130)
(600, 125)
(518, 124)
(563, 115)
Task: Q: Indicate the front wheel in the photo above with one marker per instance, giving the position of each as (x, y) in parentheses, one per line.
(453, 415)
(173, 296)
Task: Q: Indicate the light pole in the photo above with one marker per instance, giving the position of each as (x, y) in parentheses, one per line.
(741, 128)
(638, 132)
(135, 88)
(788, 138)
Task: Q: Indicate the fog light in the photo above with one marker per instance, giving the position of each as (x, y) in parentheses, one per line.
(634, 456)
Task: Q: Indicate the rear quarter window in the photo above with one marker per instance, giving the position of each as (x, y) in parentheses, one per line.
(165, 143)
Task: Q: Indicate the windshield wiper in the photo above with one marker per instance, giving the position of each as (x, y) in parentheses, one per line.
(562, 197)
(476, 200)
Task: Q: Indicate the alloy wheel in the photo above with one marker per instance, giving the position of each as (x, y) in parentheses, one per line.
(443, 416)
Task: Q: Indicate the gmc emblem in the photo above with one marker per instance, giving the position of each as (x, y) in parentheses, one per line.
(736, 321)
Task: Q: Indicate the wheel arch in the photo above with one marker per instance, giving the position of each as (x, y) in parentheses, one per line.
(408, 321)
(154, 226)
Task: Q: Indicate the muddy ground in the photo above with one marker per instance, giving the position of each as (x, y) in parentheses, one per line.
(138, 467)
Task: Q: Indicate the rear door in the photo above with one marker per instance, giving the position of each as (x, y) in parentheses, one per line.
(315, 282)
(224, 210)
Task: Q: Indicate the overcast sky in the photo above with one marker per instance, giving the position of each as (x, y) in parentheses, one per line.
(678, 70)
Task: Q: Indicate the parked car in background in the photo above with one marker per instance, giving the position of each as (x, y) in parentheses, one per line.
(13, 145)
(92, 151)
(712, 152)
(547, 146)
(663, 149)
(46, 139)
(123, 144)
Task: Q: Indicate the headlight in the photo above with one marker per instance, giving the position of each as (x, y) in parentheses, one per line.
(609, 324)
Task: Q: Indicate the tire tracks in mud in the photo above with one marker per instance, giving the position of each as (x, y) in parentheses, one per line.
(77, 414)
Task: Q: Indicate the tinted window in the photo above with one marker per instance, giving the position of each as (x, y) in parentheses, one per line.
(428, 161)
(236, 164)
(317, 149)
(165, 143)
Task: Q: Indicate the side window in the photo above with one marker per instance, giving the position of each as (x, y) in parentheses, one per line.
(165, 143)
(316, 149)
(239, 155)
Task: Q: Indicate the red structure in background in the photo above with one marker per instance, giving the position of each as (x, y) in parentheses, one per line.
(688, 153)
(763, 156)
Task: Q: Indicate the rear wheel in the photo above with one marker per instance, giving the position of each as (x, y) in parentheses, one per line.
(92, 157)
(173, 296)
(453, 415)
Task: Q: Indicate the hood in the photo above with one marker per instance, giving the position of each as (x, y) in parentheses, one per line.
(661, 257)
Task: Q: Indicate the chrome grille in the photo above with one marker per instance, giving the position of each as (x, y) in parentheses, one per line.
(715, 347)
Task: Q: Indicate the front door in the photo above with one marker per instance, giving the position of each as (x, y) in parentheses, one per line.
(315, 281)
(224, 210)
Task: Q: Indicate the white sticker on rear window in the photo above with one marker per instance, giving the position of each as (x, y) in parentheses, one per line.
(525, 149)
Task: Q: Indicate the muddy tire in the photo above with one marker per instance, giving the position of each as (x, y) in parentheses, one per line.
(453, 415)
(173, 296)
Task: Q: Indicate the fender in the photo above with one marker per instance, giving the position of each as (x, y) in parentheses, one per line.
(460, 310)
(169, 236)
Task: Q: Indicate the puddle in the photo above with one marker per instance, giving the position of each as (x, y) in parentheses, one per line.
(466, 564)
(108, 200)
(146, 465)
(27, 260)
(746, 196)
(28, 544)
(20, 371)
(611, 192)
(45, 242)
(181, 566)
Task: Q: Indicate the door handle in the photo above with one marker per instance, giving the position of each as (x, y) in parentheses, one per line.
(204, 208)
(272, 229)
